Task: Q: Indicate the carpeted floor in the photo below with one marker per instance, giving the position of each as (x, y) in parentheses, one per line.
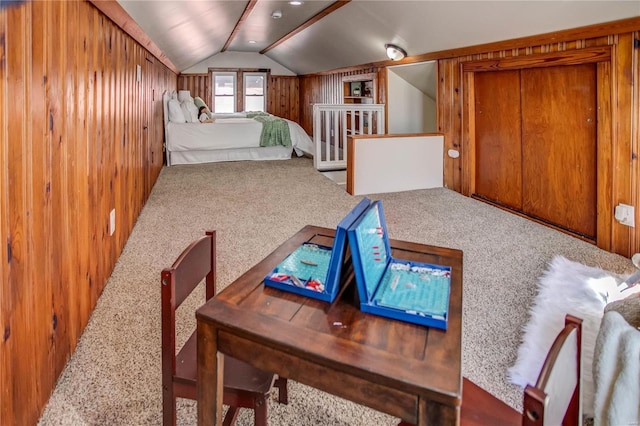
(114, 376)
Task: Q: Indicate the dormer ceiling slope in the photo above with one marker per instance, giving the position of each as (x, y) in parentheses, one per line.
(188, 32)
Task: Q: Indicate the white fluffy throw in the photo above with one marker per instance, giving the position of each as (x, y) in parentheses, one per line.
(616, 372)
(566, 287)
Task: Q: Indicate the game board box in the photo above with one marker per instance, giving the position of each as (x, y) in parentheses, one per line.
(404, 290)
(314, 270)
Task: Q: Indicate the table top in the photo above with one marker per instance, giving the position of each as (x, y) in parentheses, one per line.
(338, 337)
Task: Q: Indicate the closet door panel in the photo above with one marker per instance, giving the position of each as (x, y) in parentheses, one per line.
(498, 159)
(559, 146)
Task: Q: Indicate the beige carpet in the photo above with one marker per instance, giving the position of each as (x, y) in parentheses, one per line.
(338, 176)
(113, 378)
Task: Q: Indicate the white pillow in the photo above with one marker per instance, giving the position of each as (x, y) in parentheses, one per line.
(175, 112)
(190, 113)
(193, 109)
(185, 112)
(184, 95)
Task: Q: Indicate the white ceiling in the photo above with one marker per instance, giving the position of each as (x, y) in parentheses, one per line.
(264, 30)
(190, 31)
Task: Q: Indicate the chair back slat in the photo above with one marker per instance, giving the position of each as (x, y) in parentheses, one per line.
(561, 380)
(555, 399)
(193, 265)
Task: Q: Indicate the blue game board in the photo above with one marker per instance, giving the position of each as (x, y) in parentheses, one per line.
(313, 270)
(307, 264)
(404, 290)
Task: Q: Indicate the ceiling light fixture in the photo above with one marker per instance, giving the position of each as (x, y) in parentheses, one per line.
(295, 3)
(276, 14)
(395, 53)
(252, 42)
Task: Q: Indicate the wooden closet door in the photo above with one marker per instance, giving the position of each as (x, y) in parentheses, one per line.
(498, 159)
(559, 146)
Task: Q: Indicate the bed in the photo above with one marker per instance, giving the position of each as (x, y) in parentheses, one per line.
(230, 137)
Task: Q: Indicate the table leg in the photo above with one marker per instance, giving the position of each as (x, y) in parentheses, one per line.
(434, 413)
(210, 376)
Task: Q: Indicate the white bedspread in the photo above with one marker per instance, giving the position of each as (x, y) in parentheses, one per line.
(228, 133)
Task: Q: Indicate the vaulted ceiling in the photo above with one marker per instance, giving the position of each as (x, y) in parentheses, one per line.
(348, 33)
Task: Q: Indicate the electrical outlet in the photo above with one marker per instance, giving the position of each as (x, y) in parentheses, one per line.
(112, 222)
(625, 214)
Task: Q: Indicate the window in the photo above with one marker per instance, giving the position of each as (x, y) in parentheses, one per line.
(224, 92)
(254, 91)
(231, 95)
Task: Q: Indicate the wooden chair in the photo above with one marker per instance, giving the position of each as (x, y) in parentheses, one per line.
(244, 385)
(553, 401)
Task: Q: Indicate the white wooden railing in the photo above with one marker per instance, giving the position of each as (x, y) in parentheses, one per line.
(332, 123)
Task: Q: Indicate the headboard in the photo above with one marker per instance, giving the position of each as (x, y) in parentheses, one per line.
(166, 96)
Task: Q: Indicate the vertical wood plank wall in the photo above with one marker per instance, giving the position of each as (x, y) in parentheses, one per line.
(328, 89)
(283, 97)
(625, 113)
(80, 137)
(634, 187)
(198, 84)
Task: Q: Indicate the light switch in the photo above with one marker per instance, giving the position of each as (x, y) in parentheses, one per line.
(625, 214)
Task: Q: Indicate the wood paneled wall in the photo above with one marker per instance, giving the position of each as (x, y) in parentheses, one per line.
(634, 148)
(198, 84)
(283, 97)
(80, 136)
(328, 89)
(621, 182)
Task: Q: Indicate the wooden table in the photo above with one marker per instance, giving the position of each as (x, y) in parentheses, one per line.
(406, 370)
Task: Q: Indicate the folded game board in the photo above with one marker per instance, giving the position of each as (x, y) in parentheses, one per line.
(395, 288)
